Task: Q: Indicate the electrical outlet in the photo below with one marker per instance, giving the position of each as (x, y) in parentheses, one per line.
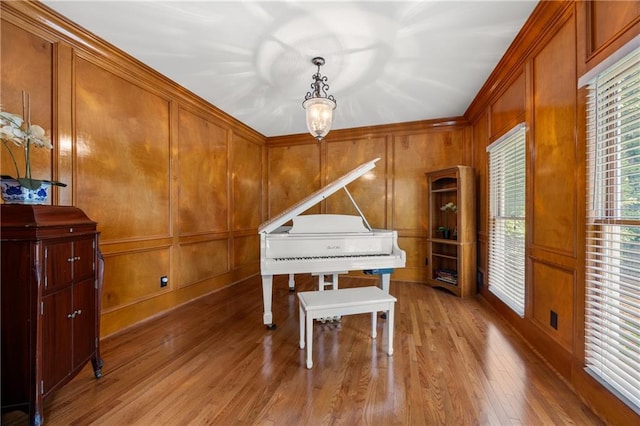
(553, 321)
(164, 281)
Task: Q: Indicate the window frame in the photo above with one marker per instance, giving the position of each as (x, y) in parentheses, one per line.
(509, 266)
(612, 257)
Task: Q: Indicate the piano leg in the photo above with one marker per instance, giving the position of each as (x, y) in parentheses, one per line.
(292, 282)
(385, 279)
(384, 282)
(267, 291)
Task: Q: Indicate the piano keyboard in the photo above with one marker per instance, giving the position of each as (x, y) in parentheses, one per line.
(359, 256)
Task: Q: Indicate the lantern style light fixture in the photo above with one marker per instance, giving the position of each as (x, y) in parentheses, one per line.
(318, 105)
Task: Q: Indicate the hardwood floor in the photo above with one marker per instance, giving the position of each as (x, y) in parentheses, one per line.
(213, 362)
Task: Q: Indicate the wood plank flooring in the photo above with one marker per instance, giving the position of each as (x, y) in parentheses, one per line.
(212, 362)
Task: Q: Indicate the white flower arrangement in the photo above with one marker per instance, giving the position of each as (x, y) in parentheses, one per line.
(449, 206)
(17, 130)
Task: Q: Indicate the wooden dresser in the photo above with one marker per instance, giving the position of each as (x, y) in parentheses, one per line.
(51, 272)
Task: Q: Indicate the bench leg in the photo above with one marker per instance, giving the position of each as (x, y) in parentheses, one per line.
(309, 323)
(302, 325)
(390, 317)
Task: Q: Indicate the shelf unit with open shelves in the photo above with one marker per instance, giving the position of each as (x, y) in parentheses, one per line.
(451, 233)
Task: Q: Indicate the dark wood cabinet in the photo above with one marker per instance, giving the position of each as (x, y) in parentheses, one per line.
(51, 271)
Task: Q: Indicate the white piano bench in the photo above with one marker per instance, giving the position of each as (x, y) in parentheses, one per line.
(346, 301)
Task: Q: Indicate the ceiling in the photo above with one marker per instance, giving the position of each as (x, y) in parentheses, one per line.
(386, 61)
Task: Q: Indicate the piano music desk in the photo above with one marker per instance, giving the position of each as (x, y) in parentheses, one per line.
(346, 301)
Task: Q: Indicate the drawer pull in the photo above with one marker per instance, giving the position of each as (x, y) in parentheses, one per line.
(74, 314)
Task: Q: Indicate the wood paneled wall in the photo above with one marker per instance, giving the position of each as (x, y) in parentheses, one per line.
(172, 181)
(392, 196)
(537, 83)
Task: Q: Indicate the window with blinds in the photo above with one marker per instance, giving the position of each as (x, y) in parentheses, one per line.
(507, 190)
(612, 323)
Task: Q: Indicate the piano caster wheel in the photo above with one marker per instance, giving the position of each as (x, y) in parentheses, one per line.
(271, 326)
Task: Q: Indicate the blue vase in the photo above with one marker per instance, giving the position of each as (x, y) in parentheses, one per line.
(14, 193)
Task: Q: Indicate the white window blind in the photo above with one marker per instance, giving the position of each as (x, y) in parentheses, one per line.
(612, 322)
(507, 190)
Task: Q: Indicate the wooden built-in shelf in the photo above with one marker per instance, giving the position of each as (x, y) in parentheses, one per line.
(451, 259)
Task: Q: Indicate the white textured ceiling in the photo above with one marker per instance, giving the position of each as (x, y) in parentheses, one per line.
(386, 61)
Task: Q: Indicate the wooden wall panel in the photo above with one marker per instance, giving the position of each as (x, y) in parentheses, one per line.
(294, 173)
(608, 18)
(553, 171)
(411, 160)
(64, 150)
(246, 178)
(246, 250)
(30, 58)
(369, 190)
(480, 164)
(416, 249)
(604, 26)
(554, 291)
(122, 155)
(508, 110)
(203, 163)
(199, 261)
(134, 276)
(413, 156)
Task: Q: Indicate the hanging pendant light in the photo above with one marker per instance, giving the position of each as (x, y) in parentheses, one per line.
(318, 105)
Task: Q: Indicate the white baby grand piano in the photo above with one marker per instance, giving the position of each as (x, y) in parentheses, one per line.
(325, 243)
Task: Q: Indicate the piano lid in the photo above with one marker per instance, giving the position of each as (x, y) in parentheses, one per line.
(293, 211)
